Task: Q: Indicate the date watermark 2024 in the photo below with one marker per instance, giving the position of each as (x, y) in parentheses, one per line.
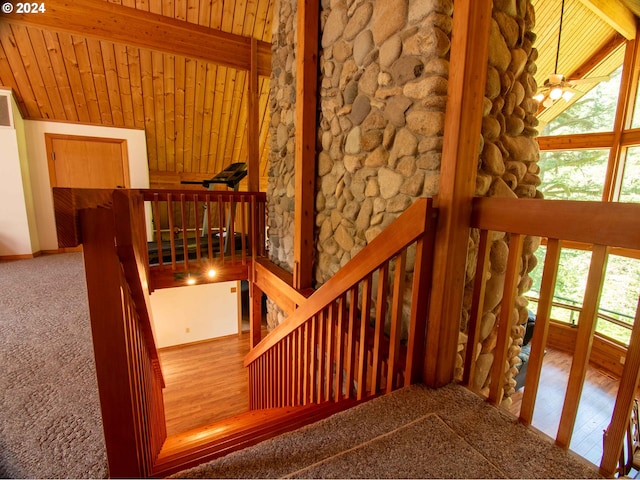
(23, 7)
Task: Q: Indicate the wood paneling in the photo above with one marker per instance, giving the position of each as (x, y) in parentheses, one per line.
(193, 111)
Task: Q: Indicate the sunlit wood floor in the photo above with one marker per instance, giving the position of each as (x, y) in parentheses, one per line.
(594, 412)
(207, 381)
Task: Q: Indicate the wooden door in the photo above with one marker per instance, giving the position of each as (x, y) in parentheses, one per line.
(87, 162)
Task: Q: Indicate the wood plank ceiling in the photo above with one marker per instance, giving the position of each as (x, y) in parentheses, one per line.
(194, 112)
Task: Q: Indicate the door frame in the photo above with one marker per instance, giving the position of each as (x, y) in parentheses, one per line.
(49, 137)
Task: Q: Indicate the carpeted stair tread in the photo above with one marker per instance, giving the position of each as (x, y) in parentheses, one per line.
(223, 437)
(339, 446)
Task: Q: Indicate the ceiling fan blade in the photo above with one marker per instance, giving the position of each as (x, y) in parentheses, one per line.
(579, 81)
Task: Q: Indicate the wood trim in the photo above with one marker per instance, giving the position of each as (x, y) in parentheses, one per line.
(584, 341)
(618, 223)
(576, 142)
(594, 60)
(253, 122)
(26, 256)
(616, 14)
(277, 284)
(616, 163)
(467, 77)
(130, 26)
(308, 19)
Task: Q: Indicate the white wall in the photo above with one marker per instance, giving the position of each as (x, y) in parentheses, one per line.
(194, 313)
(15, 237)
(39, 168)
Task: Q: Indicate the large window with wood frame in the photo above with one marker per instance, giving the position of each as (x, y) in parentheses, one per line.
(587, 154)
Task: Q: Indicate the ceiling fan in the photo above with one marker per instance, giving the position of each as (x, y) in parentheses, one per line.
(557, 86)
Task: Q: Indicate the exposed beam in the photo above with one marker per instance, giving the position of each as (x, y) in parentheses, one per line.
(467, 77)
(306, 132)
(610, 46)
(129, 26)
(616, 14)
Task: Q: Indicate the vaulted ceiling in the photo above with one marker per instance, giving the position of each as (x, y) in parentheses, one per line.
(194, 111)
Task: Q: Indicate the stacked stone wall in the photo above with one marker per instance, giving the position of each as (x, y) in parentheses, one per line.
(383, 73)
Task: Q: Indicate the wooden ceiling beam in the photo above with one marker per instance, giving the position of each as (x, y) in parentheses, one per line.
(598, 57)
(129, 26)
(616, 14)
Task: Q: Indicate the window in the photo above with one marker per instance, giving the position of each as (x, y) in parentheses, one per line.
(619, 298)
(594, 112)
(573, 174)
(630, 190)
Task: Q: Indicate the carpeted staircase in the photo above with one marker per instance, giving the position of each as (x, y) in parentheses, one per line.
(412, 433)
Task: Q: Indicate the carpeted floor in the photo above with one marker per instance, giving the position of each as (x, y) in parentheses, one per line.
(412, 433)
(50, 424)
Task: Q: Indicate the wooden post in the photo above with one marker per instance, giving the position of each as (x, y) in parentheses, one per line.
(622, 410)
(467, 77)
(253, 121)
(305, 161)
(255, 314)
(584, 340)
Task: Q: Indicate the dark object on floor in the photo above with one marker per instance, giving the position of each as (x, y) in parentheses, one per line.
(525, 351)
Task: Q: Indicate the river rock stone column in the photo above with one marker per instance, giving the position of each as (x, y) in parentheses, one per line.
(508, 168)
(282, 104)
(383, 75)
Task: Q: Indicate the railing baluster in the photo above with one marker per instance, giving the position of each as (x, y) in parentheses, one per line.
(539, 340)
(221, 233)
(340, 336)
(243, 229)
(321, 355)
(396, 317)
(476, 311)
(185, 240)
(313, 352)
(232, 227)
(208, 232)
(331, 320)
(156, 216)
(365, 316)
(381, 313)
(171, 231)
(197, 228)
(496, 388)
(584, 339)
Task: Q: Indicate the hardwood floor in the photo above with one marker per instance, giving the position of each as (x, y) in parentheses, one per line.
(594, 412)
(205, 382)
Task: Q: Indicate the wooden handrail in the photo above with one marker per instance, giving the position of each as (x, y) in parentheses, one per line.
(337, 339)
(600, 225)
(406, 229)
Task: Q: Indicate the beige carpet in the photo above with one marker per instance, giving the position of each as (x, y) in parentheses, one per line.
(412, 433)
(50, 423)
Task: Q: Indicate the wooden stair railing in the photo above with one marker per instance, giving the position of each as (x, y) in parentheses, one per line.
(196, 231)
(128, 370)
(321, 352)
(602, 226)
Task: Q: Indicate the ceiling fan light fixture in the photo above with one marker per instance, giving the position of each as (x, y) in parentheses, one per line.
(567, 95)
(555, 93)
(539, 97)
(548, 102)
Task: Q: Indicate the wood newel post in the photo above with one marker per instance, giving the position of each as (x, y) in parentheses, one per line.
(463, 121)
(255, 314)
(103, 274)
(306, 133)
